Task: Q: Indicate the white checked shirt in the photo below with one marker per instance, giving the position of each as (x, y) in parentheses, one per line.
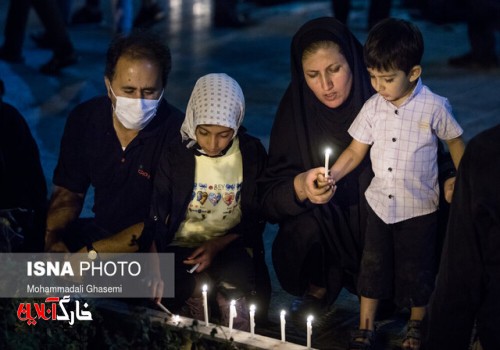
(404, 151)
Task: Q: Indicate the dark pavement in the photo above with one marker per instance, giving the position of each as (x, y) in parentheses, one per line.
(258, 58)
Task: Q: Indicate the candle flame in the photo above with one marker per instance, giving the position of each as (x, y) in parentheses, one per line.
(310, 318)
(204, 288)
(252, 307)
(283, 313)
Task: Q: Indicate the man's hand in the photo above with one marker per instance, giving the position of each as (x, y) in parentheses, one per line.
(155, 283)
(56, 247)
(156, 286)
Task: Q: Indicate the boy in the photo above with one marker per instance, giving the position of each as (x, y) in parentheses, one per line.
(401, 124)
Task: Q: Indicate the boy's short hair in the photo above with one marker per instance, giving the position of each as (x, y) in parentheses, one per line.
(393, 44)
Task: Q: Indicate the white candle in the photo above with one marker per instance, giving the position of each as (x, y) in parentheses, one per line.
(327, 157)
(170, 314)
(282, 323)
(205, 304)
(191, 270)
(309, 330)
(252, 320)
(232, 314)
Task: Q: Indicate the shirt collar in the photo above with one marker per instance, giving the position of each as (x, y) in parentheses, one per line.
(414, 93)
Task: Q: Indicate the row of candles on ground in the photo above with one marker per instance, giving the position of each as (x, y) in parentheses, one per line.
(232, 315)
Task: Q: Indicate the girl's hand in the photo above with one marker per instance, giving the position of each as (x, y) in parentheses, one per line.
(205, 253)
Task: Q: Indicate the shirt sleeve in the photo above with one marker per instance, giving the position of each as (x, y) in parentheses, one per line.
(70, 171)
(361, 127)
(444, 123)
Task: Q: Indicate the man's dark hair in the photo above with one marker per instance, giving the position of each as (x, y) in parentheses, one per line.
(139, 44)
(393, 44)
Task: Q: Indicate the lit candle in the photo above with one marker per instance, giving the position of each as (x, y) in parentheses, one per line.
(327, 157)
(309, 330)
(232, 314)
(282, 323)
(252, 320)
(177, 320)
(205, 303)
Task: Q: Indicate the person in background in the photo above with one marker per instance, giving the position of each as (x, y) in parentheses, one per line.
(378, 10)
(23, 190)
(465, 300)
(205, 206)
(149, 13)
(483, 17)
(113, 143)
(56, 31)
(226, 15)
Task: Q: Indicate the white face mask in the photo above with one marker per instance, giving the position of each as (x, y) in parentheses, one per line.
(135, 113)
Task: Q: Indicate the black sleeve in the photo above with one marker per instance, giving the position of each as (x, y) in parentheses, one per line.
(276, 186)
(71, 171)
(254, 163)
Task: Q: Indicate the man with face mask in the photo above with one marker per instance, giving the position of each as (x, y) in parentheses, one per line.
(112, 143)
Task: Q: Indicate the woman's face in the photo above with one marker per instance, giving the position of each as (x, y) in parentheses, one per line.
(328, 75)
(213, 139)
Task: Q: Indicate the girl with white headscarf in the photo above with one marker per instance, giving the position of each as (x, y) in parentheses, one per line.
(205, 206)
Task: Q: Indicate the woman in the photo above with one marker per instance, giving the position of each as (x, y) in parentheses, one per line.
(318, 245)
(205, 206)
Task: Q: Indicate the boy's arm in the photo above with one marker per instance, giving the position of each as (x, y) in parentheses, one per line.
(457, 148)
(349, 159)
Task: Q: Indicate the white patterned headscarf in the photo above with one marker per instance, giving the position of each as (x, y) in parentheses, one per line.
(216, 99)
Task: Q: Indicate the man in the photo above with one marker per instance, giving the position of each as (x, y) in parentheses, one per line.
(113, 143)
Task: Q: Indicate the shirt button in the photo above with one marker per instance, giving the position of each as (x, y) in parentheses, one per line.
(390, 169)
(390, 196)
(396, 112)
(123, 160)
(393, 139)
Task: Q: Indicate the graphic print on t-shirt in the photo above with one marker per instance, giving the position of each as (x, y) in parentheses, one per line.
(217, 200)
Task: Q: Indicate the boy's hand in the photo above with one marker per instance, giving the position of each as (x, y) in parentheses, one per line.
(449, 186)
(313, 186)
(322, 181)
